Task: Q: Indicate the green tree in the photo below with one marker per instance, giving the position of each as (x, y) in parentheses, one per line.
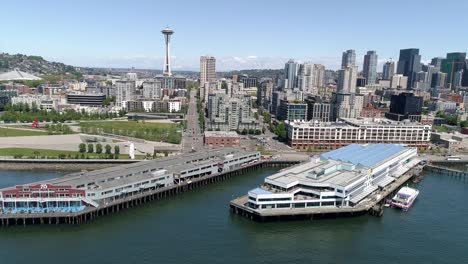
(108, 149)
(90, 148)
(280, 131)
(116, 150)
(82, 147)
(98, 148)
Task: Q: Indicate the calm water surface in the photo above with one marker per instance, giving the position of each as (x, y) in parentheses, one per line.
(196, 227)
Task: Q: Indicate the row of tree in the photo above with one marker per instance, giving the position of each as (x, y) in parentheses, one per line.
(82, 148)
(58, 129)
(201, 114)
(22, 112)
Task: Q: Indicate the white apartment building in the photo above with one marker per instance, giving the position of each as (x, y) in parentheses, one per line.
(124, 91)
(152, 89)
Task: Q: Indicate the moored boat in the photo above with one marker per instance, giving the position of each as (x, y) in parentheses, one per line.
(405, 198)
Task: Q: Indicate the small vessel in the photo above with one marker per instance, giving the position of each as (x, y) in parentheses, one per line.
(405, 198)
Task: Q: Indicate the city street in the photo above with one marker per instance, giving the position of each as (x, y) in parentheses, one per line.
(192, 137)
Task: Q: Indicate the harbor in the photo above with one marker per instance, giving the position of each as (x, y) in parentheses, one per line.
(154, 230)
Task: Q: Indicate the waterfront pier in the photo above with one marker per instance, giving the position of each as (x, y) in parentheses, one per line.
(351, 181)
(99, 201)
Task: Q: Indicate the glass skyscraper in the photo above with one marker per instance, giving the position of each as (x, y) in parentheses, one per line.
(370, 67)
(409, 64)
(454, 63)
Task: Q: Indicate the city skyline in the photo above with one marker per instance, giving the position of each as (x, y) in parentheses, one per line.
(91, 36)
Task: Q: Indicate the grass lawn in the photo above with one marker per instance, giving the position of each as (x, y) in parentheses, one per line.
(441, 128)
(164, 132)
(11, 132)
(52, 153)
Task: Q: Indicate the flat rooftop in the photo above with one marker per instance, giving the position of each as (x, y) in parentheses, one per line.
(229, 134)
(114, 175)
(356, 122)
(340, 167)
(364, 155)
(305, 173)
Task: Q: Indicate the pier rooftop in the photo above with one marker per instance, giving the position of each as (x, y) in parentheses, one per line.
(340, 180)
(84, 191)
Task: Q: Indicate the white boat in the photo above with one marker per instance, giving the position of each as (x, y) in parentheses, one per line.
(405, 198)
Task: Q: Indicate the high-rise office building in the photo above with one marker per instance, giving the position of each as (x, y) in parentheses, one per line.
(370, 67)
(399, 81)
(437, 62)
(264, 94)
(457, 79)
(292, 111)
(439, 79)
(405, 106)
(431, 69)
(347, 79)
(290, 74)
(346, 103)
(207, 70)
(348, 59)
(409, 63)
(388, 70)
(318, 109)
(465, 75)
(249, 82)
(453, 63)
(361, 81)
(311, 77)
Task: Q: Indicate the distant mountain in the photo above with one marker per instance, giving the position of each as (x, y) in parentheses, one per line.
(35, 65)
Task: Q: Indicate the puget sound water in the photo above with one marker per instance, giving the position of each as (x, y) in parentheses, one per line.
(197, 227)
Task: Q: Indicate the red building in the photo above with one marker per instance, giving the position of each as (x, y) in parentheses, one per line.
(372, 112)
(221, 139)
(42, 191)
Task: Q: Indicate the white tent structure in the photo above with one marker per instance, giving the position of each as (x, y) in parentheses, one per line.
(17, 75)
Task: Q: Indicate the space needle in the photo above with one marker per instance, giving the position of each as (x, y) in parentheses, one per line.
(167, 32)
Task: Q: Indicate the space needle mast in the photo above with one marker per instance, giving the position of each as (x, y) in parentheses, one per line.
(167, 32)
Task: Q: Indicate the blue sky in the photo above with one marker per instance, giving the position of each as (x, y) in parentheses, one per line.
(240, 34)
